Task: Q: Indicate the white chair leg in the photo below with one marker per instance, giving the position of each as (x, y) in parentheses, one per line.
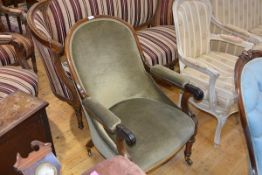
(220, 123)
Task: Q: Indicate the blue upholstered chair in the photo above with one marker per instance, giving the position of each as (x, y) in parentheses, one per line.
(248, 81)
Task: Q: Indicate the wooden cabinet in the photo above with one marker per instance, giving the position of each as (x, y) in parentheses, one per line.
(22, 119)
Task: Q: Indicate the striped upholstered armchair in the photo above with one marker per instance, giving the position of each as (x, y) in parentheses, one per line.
(242, 18)
(13, 78)
(7, 51)
(50, 21)
(210, 70)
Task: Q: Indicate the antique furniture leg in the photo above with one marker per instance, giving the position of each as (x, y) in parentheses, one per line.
(188, 149)
(33, 60)
(185, 108)
(78, 112)
(89, 146)
(221, 120)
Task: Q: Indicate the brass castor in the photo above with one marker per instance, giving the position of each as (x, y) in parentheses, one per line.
(189, 161)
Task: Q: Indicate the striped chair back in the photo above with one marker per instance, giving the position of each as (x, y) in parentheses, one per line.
(193, 30)
(245, 14)
(164, 14)
(64, 13)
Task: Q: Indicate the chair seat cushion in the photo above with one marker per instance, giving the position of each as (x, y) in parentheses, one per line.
(8, 54)
(160, 129)
(222, 62)
(159, 45)
(15, 78)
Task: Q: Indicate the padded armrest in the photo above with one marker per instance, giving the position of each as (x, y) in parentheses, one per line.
(109, 120)
(232, 40)
(237, 29)
(169, 75)
(102, 114)
(177, 79)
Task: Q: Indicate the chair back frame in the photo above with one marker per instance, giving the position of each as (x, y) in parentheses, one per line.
(75, 77)
(175, 11)
(244, 58)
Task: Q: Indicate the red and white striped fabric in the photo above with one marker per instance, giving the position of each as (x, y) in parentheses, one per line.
(64, 13)
(164, 13)
(14, 78)
(7, 52)
(159, 45)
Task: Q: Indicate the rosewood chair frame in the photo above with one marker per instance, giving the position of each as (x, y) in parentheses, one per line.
(244, 58)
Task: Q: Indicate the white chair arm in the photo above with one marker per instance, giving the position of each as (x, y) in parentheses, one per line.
(211, 72)
(232, 40)
(200, 66)
(250, 37)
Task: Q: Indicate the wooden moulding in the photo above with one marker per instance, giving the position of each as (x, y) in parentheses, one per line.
(24, 163)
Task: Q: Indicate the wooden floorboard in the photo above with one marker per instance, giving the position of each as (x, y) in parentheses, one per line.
(228, 158)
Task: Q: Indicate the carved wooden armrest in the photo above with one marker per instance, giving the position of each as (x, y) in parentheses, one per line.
(47, 41)
(15, 41)
(13, 11)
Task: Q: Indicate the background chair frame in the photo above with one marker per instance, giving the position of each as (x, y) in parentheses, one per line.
(21, 15)
(58, 51)
(244, 58)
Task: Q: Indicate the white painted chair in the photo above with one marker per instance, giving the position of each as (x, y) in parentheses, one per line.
(212, 71)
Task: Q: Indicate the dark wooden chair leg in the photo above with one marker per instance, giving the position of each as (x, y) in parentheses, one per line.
(33, 60)
(78, 112)
(188, 151)
(89, 146)
(189, 144)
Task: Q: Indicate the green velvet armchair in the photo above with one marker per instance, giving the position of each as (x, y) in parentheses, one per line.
(121, 101)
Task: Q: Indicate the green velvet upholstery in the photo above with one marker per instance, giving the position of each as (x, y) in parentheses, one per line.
(109, 119)
(160, 129)
(169, 75)
(108, 63)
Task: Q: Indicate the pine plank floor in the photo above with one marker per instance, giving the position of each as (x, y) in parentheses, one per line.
(230, 158)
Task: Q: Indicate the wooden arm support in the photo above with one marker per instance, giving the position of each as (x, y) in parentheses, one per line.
(124, 134)
(190, 90)
(20, 50)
